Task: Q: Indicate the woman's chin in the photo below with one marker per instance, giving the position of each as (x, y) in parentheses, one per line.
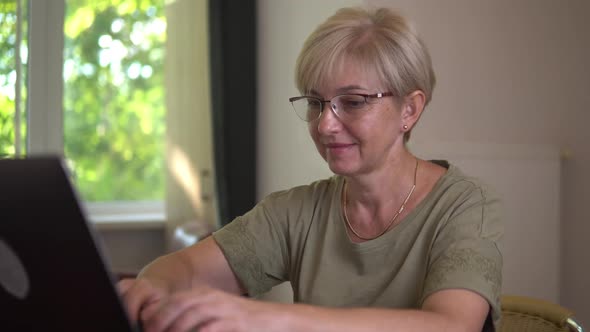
(341, 169)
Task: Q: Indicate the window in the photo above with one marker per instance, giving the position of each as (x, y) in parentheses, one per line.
(103, 136)
(110, 120)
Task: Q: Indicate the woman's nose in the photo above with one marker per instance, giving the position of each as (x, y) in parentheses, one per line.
(328, 121)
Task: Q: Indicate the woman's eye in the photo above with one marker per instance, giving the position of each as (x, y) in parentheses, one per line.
(313, 104)
(353, 103)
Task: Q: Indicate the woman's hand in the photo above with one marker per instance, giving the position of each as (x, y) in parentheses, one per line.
(138, 294)
(205, 309)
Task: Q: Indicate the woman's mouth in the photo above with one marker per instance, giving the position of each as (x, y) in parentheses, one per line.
(338, 147)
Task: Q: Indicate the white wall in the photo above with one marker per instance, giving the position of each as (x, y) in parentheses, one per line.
(576, 185)
(508, 72)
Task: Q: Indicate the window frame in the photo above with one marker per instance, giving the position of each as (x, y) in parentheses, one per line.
(45, 82)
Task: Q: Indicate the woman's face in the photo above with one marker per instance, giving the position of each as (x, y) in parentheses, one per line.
(364, 144)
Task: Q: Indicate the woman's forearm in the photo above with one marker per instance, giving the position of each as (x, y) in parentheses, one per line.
(311, 318)
(170, 272)
(455, 310)
(200, 264)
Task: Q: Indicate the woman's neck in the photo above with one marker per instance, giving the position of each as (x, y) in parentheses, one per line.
(385, 186)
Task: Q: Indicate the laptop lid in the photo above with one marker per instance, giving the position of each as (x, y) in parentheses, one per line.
(53, 276)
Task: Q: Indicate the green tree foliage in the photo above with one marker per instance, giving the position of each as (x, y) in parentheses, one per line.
(8, 25)
(114, 108)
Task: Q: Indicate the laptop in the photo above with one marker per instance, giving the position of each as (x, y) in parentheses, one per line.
(53, 275)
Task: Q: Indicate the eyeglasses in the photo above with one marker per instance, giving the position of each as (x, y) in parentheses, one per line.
(346, 107)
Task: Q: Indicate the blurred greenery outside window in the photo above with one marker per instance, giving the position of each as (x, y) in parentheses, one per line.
(13, 62)
(113, 95)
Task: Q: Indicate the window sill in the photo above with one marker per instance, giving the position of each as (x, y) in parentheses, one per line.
(113, 216)
(118, 222)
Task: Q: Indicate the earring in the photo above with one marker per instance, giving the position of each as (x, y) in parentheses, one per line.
(405, 127)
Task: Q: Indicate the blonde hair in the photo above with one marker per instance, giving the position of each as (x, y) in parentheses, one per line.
(379, 40)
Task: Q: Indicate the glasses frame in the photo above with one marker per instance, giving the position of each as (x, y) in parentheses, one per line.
(366, 96)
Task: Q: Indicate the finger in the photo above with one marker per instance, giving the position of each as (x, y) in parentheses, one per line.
(124, 285)
(123, 288)
(131, 297)
(149, 310)
(215, 325)
(138, 295)
(193, 319)
(160, 316)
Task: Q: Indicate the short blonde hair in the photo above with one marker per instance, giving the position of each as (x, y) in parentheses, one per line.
(379, 40)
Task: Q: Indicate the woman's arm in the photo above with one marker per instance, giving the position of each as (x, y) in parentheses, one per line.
(207, 310)
(449, 310)
(202, 264)
(453, 310)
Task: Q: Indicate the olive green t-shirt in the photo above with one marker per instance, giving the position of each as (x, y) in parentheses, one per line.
(450, 240)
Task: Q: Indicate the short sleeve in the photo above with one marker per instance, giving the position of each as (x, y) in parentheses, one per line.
(255, 247)
(465, 253)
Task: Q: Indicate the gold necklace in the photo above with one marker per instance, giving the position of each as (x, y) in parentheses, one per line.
(401, 208)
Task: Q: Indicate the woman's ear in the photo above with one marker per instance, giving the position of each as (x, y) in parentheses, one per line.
(412, 107)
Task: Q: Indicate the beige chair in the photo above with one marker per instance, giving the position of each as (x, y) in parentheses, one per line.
(525, 314)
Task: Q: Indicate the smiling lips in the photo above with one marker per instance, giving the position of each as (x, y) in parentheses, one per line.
(338, 147)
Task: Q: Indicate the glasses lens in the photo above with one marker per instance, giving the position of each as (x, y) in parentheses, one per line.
(308, 109)
(349, 106)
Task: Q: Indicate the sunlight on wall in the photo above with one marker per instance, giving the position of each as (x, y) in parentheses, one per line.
(185, 175)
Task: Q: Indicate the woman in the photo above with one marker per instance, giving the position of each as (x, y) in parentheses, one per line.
(390, 243)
